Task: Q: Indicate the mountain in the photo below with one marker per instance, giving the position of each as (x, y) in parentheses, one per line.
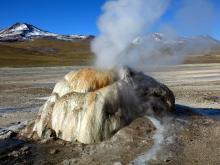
(50, 49)
(24, 31)
(174, 40)
(45, 48)
(200, 44)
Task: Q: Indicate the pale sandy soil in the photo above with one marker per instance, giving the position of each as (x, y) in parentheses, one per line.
(23, 91)
(193, 84)
(193, 139)
(198, 87)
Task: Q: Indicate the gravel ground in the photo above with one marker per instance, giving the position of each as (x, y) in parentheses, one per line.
(192, 134)
(23, 91)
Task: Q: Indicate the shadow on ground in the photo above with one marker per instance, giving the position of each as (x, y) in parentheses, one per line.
(184, 111)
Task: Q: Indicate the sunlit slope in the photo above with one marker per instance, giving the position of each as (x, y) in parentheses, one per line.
(43, 52)
(46, 52)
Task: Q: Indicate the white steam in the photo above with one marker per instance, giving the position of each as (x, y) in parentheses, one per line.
(121, 22)
(125, 32)
(158, 140)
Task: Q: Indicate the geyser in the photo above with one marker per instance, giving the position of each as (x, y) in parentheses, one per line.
(90, 105)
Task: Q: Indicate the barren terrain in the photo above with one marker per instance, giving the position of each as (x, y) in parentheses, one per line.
(192, 133)
(44, 52)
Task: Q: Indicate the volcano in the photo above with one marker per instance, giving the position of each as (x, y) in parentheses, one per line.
(24, 31)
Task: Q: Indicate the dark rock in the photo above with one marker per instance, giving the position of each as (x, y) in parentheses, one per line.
(22, 151)
(70, 161)
(14, 154)
(49, 134)
(54, 151)
(25, 148)
(6, 134)
(10, 144)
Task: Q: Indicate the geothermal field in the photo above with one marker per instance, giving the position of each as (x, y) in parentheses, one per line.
(142, 86)
(186, 136)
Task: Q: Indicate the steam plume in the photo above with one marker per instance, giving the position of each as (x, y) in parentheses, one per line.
(122, 21)
(125, 26)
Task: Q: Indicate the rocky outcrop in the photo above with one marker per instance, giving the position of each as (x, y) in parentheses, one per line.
(90, 105)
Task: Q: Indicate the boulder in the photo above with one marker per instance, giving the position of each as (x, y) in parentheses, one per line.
(90, 105)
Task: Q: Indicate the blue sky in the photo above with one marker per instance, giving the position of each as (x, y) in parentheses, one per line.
(80, 16)
(60, 16)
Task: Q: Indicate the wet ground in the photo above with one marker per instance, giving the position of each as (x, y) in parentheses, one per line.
(191, 136)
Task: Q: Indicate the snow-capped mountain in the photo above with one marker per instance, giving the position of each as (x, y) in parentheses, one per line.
(24, 31)
(172, 40)
(161, 43)
(161, 40)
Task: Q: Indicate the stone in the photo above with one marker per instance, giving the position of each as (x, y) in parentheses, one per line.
(54, 151)
(25, 148)
(70, 161)
(49, 134)
(22, 151)
(117, 163)
(6, 134)
(14, 154)
(91, 105)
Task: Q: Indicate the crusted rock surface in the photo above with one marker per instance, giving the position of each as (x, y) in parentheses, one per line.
(90, 105)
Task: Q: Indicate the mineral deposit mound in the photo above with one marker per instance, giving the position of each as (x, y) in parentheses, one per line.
(91, 105)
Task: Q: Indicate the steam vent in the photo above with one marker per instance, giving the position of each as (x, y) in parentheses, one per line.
(91, 105)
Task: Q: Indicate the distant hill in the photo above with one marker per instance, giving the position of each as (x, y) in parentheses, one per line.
(24, 45)
(44, 52)
(198, 49)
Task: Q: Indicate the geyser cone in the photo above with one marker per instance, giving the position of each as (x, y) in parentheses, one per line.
(90, 105)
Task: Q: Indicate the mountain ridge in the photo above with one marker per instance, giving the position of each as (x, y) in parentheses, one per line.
(24, 31)
(43, 48)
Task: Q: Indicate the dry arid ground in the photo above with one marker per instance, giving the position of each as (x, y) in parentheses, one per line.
(44, 52)
(192, 134)
(47, 52)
